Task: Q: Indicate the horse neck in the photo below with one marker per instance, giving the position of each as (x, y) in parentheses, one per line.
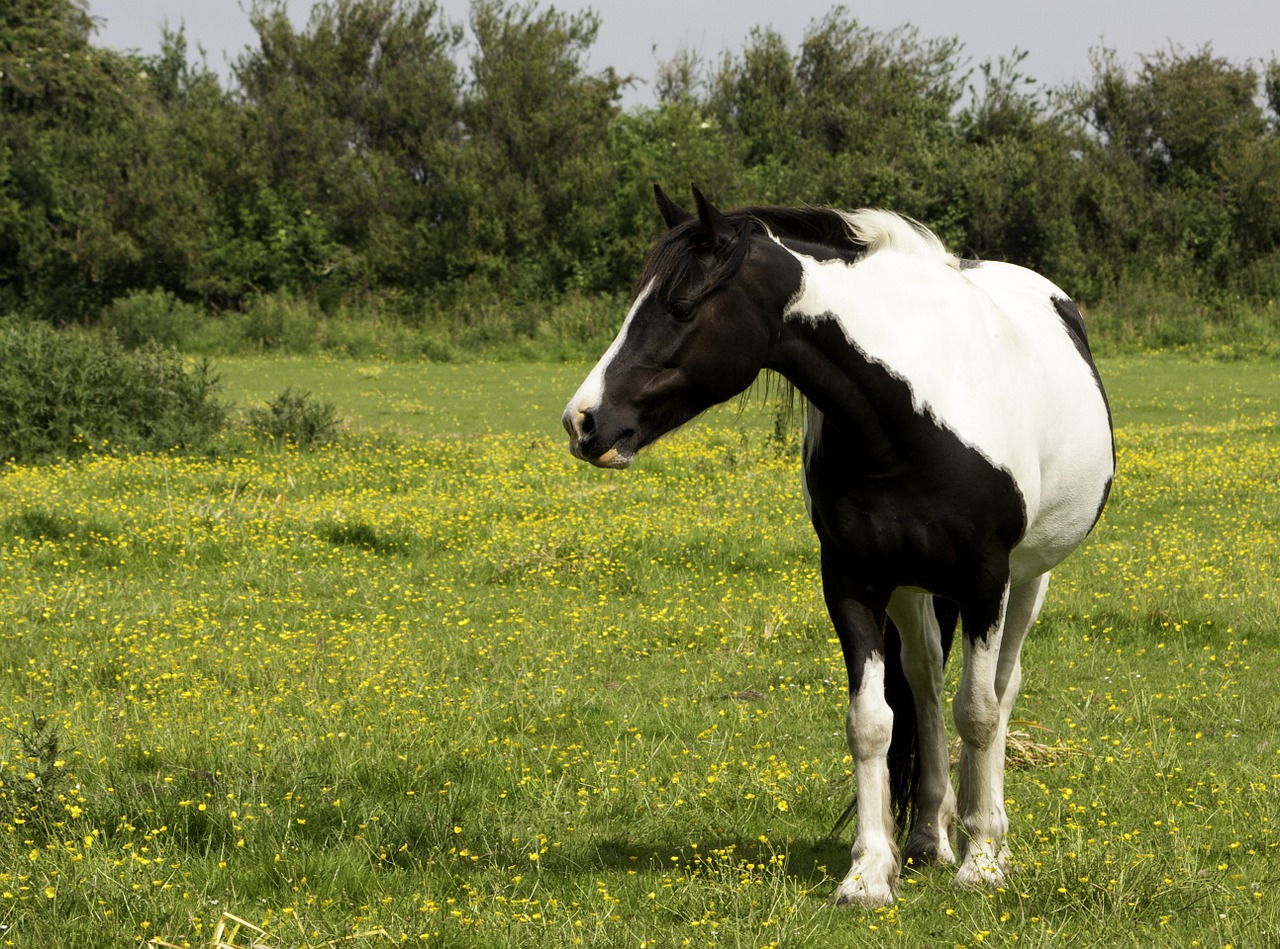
(815, 350)
(817, 358)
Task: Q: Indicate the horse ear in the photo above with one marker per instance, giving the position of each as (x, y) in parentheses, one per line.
(671, 212)
(712, 220)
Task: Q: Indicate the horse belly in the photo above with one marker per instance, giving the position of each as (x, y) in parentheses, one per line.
(1072, 479)
(1057, 443)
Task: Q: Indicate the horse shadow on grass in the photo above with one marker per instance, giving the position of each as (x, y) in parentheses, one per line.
(818, 865)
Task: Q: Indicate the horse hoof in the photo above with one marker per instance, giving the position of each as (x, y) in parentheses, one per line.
(979, 875)
(929, 854)
(867, 898)
(863, 887)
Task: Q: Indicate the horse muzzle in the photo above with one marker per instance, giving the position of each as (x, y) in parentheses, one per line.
(586, 445)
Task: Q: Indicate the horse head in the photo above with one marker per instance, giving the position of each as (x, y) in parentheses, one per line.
(698, 332)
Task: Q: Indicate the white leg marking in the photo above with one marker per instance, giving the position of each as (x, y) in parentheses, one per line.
(930, 838)
(988, 688)
(976, 708)
(869, 728)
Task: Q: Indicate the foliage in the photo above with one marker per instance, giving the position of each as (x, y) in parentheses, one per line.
(38, 802)
(353, 128)
(152, 316)
(1183, 170)
(537, 166)
(382, 165)
(96, 198)
(65, 393)
(297, 419)
(40, 42)
(468, 690)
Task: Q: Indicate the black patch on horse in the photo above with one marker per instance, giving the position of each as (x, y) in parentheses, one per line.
(1073, 320)
(903, 498)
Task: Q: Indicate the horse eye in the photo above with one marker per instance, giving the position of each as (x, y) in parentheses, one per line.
(681, 309)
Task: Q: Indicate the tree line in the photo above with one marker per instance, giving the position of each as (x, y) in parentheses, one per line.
(383, 157)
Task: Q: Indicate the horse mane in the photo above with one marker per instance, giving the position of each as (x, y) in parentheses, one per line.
(877, 229)
(864, 231)
(685, 261)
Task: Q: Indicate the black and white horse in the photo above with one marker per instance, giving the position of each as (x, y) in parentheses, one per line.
(957, 445)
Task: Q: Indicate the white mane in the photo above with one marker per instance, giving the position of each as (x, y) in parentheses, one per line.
(885, 230)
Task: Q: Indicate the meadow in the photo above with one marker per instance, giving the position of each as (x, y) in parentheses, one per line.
(437, 683)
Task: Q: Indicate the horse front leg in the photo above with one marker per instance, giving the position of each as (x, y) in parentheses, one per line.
(982, 707)
(873, 871)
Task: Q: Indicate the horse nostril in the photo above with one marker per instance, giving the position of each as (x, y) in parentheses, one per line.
(588, 425)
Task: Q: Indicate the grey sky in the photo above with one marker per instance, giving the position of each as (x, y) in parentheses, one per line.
(635, 36)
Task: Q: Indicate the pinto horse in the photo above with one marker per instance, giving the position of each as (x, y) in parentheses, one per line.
(957, 445)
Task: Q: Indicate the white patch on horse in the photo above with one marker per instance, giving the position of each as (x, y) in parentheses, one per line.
(1071, 432)
(990, 678)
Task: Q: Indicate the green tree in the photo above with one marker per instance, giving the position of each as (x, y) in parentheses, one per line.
(756, 96)
(680, 79)
(672, 144)
(1181, 164)
(855, 117)
(1015, 176)
(537, 184)
(354, 123)
(44, 46)
(94, 202)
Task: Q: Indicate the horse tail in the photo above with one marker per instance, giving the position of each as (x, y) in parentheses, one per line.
(904, 745)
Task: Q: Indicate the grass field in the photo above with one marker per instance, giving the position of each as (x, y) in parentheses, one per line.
(440, 684)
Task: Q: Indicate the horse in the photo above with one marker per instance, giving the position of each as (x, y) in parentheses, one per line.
(957, 445)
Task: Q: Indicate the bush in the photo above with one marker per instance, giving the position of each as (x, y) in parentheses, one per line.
(64, 392)
(40, 800)
(152, 316)
(1145, 312)
(296, 419)
(280, 322)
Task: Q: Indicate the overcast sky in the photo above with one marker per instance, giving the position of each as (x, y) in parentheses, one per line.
(636, 35)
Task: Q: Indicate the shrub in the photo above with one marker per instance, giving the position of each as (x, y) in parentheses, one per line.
(296, 419)
(64, 392)
(44, 792)
(152, 316)
(1149, 313)
(280, 322)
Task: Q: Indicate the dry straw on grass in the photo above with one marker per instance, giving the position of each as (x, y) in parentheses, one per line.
(1021, 751)
(229, 930)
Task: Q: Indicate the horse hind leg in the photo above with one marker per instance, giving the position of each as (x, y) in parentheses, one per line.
(989, 685)
(924, 651)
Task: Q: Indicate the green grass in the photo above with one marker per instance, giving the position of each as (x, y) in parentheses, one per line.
(415, 399)
(440, 680)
